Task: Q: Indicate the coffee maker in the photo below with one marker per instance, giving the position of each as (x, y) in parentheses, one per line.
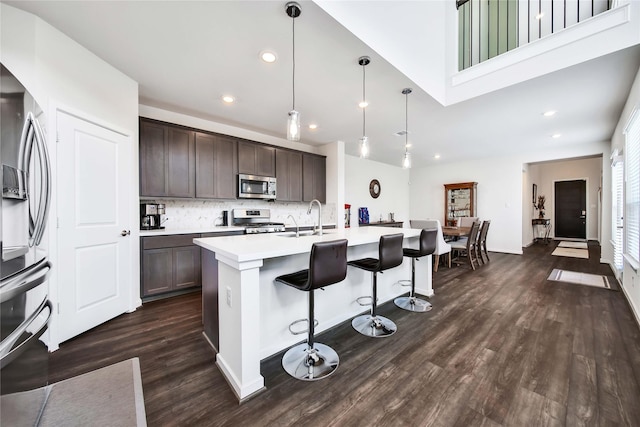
(150, 216)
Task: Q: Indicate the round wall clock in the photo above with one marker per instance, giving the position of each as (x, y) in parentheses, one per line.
(374, 188)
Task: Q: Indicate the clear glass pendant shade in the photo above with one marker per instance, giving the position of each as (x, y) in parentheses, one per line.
(364, 147)
(293, 126)
(406, 160)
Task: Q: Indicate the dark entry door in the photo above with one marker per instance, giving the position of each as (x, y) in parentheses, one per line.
(571, 209)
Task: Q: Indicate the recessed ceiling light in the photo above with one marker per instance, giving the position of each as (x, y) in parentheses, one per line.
(313, 126)
(407, 145)
(268, 56)
(228, 99)
(437, 156)
(363, 104)
(549, 113)
(539, 16)
(556, 135)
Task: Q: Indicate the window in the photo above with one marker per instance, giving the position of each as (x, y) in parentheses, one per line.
(617, 185)
(632, 190)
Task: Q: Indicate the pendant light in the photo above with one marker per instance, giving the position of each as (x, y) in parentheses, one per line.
(364, 141)
(406, 160)
(293, 122)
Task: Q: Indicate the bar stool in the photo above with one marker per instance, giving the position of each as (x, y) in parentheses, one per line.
(327, 265)
(427, 247)
(390, 255)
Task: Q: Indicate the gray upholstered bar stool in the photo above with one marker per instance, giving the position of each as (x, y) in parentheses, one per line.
(327, 265)
(427, 247)
(390, 255)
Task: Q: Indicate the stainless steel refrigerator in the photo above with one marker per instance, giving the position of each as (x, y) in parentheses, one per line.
(25, 309)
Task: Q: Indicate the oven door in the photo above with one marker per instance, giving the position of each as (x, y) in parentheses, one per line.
(256, 187)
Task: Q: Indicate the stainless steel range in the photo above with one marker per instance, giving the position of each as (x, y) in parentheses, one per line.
(256, 221)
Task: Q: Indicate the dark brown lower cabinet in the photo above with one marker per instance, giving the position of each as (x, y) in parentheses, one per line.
(169, 264)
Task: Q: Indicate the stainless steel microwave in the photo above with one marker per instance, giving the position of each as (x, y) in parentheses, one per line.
(256, 187)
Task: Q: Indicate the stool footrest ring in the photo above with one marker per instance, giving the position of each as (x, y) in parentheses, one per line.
(302, 331)
(365, 300)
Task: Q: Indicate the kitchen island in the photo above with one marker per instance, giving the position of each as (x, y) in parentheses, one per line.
(254, 312)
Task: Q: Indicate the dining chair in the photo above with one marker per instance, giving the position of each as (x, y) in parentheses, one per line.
(467, 221)
(468, 247)
(482, 240)
(442, 247)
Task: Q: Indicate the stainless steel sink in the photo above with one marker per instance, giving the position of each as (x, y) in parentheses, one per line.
(304, 233)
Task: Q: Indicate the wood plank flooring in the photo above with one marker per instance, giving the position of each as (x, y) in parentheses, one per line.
(502, 347)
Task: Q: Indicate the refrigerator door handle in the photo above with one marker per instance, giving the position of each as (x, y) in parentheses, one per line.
(31, 142)
(7, 354)
(24, 281)
(45, 194)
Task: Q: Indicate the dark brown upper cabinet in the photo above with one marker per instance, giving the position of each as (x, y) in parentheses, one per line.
(256, 159)
(314, 178)
(289, 175)
(216, 169)
(167, 160)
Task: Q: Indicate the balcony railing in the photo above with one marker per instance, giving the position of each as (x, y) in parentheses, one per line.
(487, 28)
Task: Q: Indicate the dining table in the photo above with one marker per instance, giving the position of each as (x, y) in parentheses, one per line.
(456, 231)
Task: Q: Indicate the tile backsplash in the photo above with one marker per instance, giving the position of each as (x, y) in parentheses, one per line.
(207, 213)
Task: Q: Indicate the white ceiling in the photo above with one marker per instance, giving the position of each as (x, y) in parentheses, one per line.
(186, 55)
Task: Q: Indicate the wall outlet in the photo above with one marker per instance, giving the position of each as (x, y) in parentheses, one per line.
(229, 300)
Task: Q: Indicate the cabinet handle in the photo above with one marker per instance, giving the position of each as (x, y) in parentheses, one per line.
(124, 233)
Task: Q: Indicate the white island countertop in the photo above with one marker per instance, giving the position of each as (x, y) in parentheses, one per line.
(251, 247)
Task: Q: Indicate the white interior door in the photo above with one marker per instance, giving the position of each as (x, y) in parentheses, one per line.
(94, 257)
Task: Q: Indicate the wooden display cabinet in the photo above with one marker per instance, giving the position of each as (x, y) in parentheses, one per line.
(460, 200)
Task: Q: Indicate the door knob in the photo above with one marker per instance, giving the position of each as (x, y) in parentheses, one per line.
(124, 233)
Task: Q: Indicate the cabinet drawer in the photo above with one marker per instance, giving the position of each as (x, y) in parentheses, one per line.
(223, 233)
(157, 242)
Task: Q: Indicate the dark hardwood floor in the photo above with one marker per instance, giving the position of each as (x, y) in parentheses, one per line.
(502, 346)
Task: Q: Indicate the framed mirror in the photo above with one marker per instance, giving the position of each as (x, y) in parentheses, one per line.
(374, 188)
(535, 194)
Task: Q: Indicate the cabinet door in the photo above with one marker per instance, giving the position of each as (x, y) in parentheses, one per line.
(314, 178)
(246, 158)
(215, 166)
(153, 159)
(186, 267)
(157, 271)
(205, 155)
(256, 159)
(289, 175)
(265, 160)
(225, 169)
(180, 163)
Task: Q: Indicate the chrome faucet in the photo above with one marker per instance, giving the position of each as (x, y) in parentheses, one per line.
(297, 228)
(319, 230)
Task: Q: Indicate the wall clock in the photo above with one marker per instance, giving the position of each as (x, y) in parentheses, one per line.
(374, 188)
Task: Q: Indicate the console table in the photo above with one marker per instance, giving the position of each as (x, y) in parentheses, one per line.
(546, 223)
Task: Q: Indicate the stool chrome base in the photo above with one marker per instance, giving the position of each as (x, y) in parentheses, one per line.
(310, 365)
(413, 304)
(376, 327)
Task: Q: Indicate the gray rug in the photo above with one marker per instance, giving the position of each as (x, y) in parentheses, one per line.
(578, 278)
(575, 245)
(109, 396)
(571, 252)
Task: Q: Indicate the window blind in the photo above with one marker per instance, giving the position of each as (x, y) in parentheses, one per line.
(632, 190)
(617, 185)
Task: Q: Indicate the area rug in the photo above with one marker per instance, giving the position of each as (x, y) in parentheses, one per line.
(578, 278)
(575, 245)
(109, 396)
(571, 252)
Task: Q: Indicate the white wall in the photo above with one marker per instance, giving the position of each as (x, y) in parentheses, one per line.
(548, 173)
(394, 193)
(631, 279)
(61, 74)
(501, 191)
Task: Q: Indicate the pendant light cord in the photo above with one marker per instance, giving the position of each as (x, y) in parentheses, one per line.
(406, 121)
(364, 100)
(293, 80)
